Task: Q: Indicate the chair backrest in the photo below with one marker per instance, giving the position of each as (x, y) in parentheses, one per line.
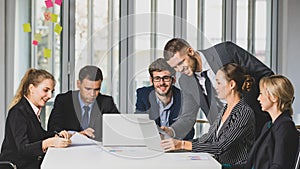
(298, 156)
(297, 161)
(7, 164)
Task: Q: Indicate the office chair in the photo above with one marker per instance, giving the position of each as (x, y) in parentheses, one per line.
(297, 161)
(298, 155)
(7, 164)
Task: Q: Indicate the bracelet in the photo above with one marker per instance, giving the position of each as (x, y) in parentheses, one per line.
(182, 144)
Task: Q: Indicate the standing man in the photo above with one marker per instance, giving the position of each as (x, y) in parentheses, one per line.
(82, 110)
(198, 70)
(162, 100)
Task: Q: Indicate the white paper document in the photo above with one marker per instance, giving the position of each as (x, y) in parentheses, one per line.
(79, 139)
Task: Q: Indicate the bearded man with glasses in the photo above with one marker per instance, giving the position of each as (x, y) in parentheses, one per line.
(161, 100)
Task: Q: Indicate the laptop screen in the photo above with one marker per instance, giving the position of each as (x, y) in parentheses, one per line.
(123, 130)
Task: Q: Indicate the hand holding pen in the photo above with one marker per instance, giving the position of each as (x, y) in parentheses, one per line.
(63, 134)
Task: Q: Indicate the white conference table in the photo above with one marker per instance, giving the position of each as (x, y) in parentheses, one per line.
(96, 156)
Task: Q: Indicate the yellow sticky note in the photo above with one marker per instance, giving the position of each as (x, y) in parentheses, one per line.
(57, 29)
(38, 37)
(54, 17)
(47, 53)
(27, 27)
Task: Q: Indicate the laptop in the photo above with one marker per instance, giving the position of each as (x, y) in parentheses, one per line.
(153, 135)
(123, 130)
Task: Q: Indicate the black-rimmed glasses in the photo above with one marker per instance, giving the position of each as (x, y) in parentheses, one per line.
(164, 78)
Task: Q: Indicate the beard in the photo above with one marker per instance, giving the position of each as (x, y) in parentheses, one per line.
(163, 94)
(193, 63)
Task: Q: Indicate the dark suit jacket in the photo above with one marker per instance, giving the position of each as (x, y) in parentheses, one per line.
(22, 143)
(277, 146)
(66, 113)
(235, 138)
(217, 56)
(146, 103)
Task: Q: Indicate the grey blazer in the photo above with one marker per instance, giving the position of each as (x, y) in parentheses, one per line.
(217, 56)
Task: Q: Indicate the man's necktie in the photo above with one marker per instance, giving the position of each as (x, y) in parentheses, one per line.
(85, 118)
(203, 98)
(208, 86)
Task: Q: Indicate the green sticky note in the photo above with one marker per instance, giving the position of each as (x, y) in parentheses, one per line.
(54, 17)
(57, 29)
(38, 37)
(26, 27)
(47, 53)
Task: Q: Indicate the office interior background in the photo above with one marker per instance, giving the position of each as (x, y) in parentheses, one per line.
(123, 37)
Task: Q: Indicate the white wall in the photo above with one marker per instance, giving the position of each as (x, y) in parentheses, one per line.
(289, 45)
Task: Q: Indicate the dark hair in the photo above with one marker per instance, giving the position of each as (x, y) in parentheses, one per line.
(174, 45)
(238, 74)
(90, 72)
(34, 77)
(159, 65)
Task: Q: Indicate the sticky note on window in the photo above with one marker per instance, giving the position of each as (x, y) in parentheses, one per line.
(54, 17)
(47, 53)
(57, 29)
(26, 27)
(58, 2)
(35, 42)
(47, 16)
(49, 3)
(38, 37)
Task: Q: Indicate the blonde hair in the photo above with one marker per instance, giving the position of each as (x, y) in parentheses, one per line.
(281, 88)
(32, 76)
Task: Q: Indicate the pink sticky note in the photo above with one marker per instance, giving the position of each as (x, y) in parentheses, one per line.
(58, 2)
(35, 42)
(49, 3)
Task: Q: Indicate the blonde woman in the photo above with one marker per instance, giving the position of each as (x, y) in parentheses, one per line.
(25, 141)
(277, 145)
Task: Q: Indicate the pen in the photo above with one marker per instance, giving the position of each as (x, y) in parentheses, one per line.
(57, 133)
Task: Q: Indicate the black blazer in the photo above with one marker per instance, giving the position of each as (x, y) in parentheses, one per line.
(66, 113)
(217, 56)
(22, 143)
(146, 103)
(277, 146)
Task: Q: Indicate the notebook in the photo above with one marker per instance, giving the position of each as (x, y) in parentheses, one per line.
(123, 130)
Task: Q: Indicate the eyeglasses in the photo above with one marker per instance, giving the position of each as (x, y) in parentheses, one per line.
(164, 78)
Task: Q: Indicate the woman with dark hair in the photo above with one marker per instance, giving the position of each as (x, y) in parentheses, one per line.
(232, 134)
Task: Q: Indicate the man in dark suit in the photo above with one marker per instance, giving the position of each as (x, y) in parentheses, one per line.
(82, 110)
(197, 87)
(162, 100)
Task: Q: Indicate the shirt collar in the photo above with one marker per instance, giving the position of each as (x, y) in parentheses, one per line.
(160, 103)
(205, 65)
(35, 109)
(82, 103)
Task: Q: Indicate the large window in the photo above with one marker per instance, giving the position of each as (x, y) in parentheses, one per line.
(97, 41)
(153, 26)
(253, 31)
(144, 26)
(204, 23)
